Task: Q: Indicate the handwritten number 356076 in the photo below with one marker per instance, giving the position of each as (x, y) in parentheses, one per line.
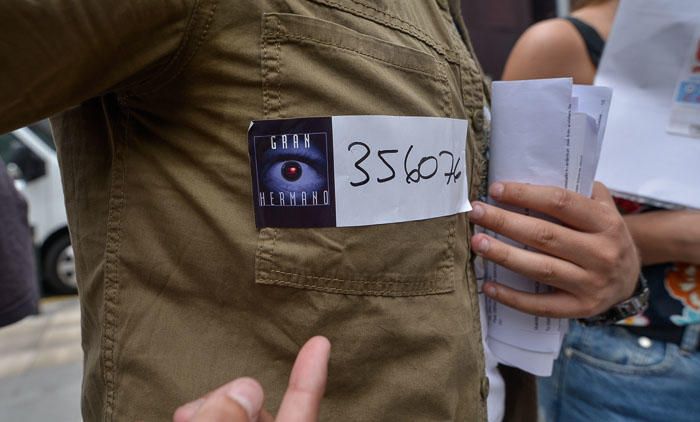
(426, 168)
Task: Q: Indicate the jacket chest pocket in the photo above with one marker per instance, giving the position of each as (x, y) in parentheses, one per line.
(313, 67)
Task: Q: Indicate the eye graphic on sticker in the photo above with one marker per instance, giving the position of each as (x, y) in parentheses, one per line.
(294, 170)
(291, 171)
(292, 167)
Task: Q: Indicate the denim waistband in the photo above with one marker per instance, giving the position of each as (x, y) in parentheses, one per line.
(691, 338)
(687, 338)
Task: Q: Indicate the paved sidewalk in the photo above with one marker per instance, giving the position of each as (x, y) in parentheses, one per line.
(41, 365)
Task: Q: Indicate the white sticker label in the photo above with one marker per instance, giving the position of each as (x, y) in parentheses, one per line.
(685, 115)
(358, 170)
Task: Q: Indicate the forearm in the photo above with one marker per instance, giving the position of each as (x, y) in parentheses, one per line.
(58, 53)
(666, 236)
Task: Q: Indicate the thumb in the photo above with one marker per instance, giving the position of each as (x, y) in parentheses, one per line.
(240, 401)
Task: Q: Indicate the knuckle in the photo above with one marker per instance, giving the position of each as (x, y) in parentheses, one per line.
(547, 272)
(609, 257)
(614, 222)
(561, 199)
(499, 221)
(618, 256)
(544, 237)
(599, 283)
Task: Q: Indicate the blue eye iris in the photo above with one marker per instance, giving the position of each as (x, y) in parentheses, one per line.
(293, 170)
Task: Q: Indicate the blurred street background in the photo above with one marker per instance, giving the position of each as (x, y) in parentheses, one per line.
(41, 364)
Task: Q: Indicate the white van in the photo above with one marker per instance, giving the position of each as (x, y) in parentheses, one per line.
(30, 157)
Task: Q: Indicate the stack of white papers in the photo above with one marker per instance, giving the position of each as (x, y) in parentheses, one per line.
(545, 132)
(652, 61)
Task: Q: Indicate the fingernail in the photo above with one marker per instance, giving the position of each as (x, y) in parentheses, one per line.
(477, 212)
(187, 411)
(496, 190)
(490, 289)
(482, 246)
(248, 393)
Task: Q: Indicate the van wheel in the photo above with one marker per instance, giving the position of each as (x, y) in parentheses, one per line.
(59, 266)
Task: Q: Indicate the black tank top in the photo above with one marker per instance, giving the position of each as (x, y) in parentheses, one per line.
(594, 42)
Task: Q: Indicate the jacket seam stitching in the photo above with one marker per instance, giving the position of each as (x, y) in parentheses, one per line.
(368, 292)
(191, 20)
(265, 72)
(179, 65)
(402, 25)
(360, 281)
(117, 202)
(446, 105)
(278, 64)
(398, 18)
(335, 45)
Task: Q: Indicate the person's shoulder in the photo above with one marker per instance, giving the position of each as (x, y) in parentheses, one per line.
(550, 48)
(552, 36)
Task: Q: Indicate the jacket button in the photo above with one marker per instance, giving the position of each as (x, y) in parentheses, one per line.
(484, 388)
(644, 342)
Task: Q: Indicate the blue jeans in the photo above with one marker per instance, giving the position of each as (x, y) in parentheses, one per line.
(605, 374)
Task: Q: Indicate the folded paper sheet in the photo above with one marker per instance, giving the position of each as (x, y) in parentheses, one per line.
(652, 61)
(546, 132)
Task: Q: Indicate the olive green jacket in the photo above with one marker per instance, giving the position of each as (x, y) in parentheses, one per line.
(179, 291)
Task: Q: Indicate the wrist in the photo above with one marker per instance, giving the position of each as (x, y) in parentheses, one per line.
(637, 303)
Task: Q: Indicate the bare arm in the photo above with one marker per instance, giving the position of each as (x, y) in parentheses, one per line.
(666, 236)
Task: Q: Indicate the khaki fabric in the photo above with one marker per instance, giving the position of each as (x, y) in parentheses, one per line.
(179, 291)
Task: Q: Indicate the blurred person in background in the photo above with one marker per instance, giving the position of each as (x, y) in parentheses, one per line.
(647, 367)
(19, 290)
(495, 26)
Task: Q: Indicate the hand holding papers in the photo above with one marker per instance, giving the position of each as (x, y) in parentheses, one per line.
(547, 133)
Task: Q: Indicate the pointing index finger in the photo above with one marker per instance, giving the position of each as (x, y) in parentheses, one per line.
(307, 383)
